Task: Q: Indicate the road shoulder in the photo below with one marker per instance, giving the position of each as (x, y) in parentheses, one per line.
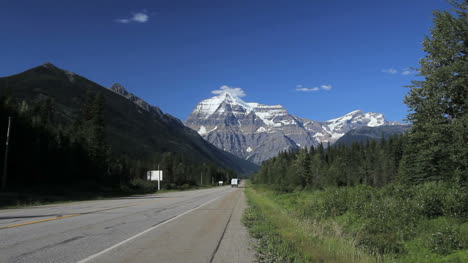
(236, 245)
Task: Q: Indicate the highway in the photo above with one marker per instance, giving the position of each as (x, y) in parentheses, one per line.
(188, 226)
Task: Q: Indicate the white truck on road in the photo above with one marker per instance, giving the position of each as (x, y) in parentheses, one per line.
(234, 182)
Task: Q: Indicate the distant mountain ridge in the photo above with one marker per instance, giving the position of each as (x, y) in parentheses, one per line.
(133, 126)
(365, 133)
(257, 132)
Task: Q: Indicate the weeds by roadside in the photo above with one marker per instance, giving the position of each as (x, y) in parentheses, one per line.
(283, 236)
(425, 223)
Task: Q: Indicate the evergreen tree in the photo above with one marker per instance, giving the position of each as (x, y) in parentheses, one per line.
(437, 144)
(304, 167)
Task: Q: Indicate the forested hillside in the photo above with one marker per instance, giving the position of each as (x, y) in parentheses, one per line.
(70, 133)
(404, 198)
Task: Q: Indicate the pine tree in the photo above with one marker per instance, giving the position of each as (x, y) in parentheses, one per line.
(437, 143)
(304, 167)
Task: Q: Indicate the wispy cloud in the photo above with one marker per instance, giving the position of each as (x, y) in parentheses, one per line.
(231, 90)
(308, 89)
(139, 17)
(406, 72)
(323, 87)
(390, 71)
(326, 87)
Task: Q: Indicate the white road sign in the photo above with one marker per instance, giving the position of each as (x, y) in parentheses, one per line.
(156, 175)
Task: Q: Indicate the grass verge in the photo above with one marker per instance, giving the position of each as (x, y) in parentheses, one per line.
(284, 237)
(423, 223)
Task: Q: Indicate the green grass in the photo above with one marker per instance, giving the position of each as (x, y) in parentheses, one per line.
(286, 237)
(425, 223)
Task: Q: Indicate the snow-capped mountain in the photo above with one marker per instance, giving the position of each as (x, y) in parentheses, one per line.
(257, 132)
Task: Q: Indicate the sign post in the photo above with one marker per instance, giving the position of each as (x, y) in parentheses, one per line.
(155, 176)
(5, 161)
(159, 184)
(159, 179)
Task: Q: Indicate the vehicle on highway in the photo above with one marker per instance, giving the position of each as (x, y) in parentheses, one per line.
(235, 182)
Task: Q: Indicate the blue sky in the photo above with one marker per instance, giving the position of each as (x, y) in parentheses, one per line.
(319, 59)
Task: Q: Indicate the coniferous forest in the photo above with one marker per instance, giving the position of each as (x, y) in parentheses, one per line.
(404, 198)
(47, 156)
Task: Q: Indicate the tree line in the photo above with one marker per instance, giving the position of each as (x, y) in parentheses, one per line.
(373, 163)
(48, 153)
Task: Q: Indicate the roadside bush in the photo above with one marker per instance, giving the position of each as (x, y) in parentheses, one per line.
(334, 202)
(446, 241)
(382, 243)
(388, 222)
(381, 220)
(138, 185)
(185, 187)
(444, 235)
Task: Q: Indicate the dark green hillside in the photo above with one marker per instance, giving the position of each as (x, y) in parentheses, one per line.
(364, 134)
(130, 130)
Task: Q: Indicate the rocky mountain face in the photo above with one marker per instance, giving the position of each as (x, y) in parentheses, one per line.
(257, 132)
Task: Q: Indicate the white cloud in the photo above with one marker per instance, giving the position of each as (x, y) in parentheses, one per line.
(123, 20)
(139, 17)
(323, 87)
(234, 91)
(390, 71)
(307, 89)
(406, 72)
(326, 87)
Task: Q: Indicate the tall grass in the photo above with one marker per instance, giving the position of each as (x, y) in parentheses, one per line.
(423, 223)
(285, 236)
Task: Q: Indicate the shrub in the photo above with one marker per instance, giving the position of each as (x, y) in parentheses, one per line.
(334, 202)
(446, 241)
(441, 199)
(140, 186)
(382, 243)
(185, 187)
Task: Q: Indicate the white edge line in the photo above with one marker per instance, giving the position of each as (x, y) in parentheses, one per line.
(144, 232)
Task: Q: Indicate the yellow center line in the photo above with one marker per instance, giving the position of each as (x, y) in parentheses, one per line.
(78, 214)
(39, 221)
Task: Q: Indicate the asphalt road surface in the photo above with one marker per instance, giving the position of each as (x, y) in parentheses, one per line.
(190, 226)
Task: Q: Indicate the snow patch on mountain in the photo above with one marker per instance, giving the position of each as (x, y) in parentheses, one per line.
(209, 106)
(202, 130)
(318, 134)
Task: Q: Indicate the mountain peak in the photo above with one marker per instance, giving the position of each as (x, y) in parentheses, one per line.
(227, 95)
(209, 106)
(355, 112)
(230, 98)
(49, 65)
(119, 89)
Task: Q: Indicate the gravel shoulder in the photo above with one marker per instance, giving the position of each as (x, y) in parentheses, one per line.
(236, 246)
